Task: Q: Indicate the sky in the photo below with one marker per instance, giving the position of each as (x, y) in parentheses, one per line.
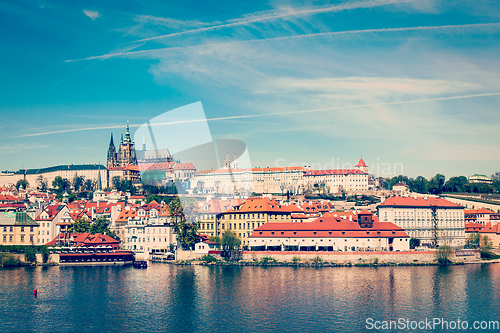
(412, 87)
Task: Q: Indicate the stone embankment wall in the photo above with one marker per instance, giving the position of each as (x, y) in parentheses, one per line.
(337, 257)
(53, 258)
(343, 257)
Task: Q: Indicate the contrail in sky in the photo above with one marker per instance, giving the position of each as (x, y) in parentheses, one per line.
(334, 33)
(347, 6)
(267, 114)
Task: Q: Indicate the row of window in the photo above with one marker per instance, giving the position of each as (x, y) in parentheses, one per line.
(11, 238)
(240, 226)
(11, 229)
(138, 240)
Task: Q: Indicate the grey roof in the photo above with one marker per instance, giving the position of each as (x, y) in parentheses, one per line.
(17, 219)
(61, 168)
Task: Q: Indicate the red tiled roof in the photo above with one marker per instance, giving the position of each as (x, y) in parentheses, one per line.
(9, 197)
(361, 163)
(329, 226)
(490, 229)
(166, 166)
(126, 214)
(263, 205)
(335, 172)
(184, 166)
(471, 226)
(81, 239)
(418, 202)
(479, 211)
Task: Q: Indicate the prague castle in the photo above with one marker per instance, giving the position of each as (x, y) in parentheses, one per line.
(126, 152)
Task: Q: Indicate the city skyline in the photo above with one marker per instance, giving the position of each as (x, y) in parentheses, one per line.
(411, 83)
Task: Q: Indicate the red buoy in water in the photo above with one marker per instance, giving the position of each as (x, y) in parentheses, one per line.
(35, 292)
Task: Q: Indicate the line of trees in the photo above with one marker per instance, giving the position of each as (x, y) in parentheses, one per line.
(438, 184)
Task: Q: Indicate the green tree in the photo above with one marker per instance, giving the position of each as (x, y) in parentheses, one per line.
(89, 185)
(61, 185)
(473, 240)
(30, 254)
(230, 245)
(185, 218)
(456, 184)
(436, 184)
(22, 183)
(443, 254)
(116, 182)
(77, 183)
(153, 197)
(214, 238)
(80, 225)
(414, 242)
(45, 254)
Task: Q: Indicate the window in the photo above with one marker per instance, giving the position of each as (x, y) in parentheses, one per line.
(11, 238)
(22, 229)
(4, 238)
(31, 229)
(22, 238)
(11, 229)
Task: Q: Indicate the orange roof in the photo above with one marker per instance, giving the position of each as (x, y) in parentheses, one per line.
(418, 202)
(335, 172)
(329, 226)
(126, 214)
(479, 211)
(471, 226)
(361, 163)
(184, 166)
(261, 205)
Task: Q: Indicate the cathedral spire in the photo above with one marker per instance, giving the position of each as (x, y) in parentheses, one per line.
(127, 134)
(111, 143)
(99, 184)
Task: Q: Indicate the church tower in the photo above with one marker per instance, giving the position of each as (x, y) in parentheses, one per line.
(126, 154)
(111, 154)
(227, 161)
(234, 164)
(361, 166)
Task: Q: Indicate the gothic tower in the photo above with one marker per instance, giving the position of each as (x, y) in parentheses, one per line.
(126, 154)
(111, 154)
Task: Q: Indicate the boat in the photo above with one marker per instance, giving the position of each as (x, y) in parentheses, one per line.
(101, 258)
(140, 264)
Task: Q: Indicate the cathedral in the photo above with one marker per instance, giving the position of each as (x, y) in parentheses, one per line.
(126, 152)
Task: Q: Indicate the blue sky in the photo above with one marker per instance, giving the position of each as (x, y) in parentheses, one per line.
(401, 83)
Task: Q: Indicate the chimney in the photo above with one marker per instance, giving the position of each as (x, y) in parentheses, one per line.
(350, 218)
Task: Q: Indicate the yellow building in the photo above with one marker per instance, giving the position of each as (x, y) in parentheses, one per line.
(17, 228)
(244, 218)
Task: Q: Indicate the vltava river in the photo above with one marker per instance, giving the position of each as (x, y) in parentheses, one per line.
(168, 298)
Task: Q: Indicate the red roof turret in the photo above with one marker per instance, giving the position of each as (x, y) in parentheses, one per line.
(361, 163)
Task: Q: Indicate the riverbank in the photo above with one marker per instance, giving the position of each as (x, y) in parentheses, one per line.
(332, 259)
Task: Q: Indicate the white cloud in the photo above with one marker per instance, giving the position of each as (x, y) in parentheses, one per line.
(93, 14)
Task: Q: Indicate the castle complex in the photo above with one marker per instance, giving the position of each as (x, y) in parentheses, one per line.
(126, 153)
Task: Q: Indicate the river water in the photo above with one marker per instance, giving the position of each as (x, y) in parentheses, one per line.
(169, 298)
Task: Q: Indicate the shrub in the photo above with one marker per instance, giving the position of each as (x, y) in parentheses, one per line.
(266, 260)
(317, 260)
(485, 254)
(10, 261)
(295, 259)
(208, 258)
(375, 261)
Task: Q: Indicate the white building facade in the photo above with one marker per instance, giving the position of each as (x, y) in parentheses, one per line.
(434, 221)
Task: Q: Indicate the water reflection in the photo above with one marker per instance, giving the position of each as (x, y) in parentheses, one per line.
(167, 298)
